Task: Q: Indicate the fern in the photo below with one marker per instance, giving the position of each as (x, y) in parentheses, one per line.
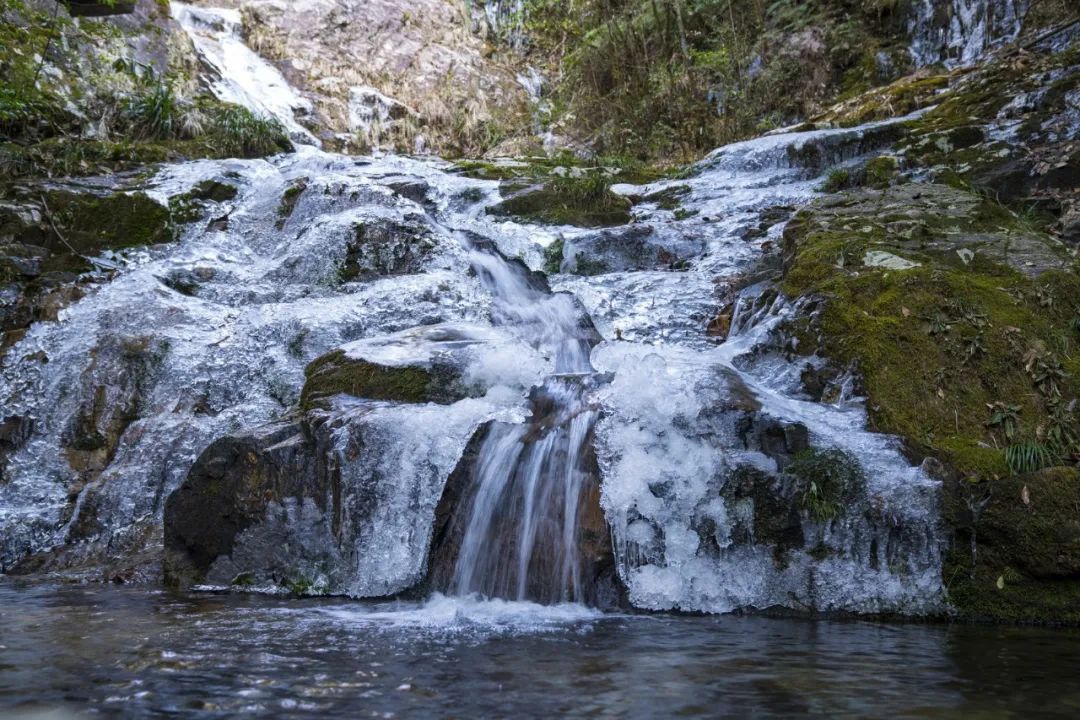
(1028, 457)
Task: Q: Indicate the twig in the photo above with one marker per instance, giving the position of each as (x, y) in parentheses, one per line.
(48, 42)
(55, 229)
(1049, 34)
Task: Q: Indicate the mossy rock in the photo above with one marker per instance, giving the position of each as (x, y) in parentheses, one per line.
(89, 223)
(289, 198)
(190, 206)
(963, 349)
(1016, 553)
(939, 343)
(828, 481)
(338, 374)
(584, 201)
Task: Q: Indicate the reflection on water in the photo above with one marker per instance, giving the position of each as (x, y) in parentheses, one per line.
(114, 651)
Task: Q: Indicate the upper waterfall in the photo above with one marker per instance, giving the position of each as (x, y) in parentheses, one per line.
(959, 32)
(235, 73)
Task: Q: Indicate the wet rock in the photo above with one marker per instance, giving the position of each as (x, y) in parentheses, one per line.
(289, 198)
(1016, 555)
(338, 374)
(14, 432)
(111, 397)
(765, 510)
(595, 557)
(231, 488)
(635, 247)
(778, 440)
(582, 201)
(382, 246)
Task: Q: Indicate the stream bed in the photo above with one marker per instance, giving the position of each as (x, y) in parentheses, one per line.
(104, 651)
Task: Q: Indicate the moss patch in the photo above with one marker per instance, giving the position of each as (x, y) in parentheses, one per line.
(585, 201)
(89, 223)
(969, 352)
(827, 481)
(337, 374)
(289, 198)
(1016, 555)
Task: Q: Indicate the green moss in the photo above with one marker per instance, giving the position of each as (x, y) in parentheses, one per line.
(1017, 552)
(553, 257)
(836, 180)
(336, 374)
(289, 198)
(881, 171)
(669, 198)
(894, 100)
(585, 201)
(190, 206)
(88, 223)
(971, 362)
(939, 344)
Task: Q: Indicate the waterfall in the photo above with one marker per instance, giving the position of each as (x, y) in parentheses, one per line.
(591, 426)
(518, 521)
(958, 32)
(236, 74)
(521, 535)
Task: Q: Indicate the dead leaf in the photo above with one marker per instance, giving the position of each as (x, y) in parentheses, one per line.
(1025, 496)
(941, 393)
(905, 312)
(1001, 582)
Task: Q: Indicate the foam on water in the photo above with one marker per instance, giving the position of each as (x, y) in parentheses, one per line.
(469, 615)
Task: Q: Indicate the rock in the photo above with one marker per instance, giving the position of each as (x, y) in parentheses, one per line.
(439, 364)
(338, 374)
(882, 259)
(424, 74)
(634, 247)
(383, 246)
(334, 502)
(584, 202)
(1025, 530)
(231, 488)
(766, 511)
(595, 557)
(14, 432)
(111, 395)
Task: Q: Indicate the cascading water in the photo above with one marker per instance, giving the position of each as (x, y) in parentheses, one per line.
(519, 517)
(238, 75)
(521, 534)
(605, 420)
(958, 32)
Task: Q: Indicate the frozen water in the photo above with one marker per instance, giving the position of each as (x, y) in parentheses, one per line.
(240, 75)
(211, 334)
(959, 32)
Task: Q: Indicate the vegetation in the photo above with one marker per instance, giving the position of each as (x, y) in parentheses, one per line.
(336, 373)
(673, 78)
(583, 199)
(827, 478)
(72, 104)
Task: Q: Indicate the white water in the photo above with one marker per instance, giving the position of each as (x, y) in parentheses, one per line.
(230, 355)
(237, 74)
(959, 32)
